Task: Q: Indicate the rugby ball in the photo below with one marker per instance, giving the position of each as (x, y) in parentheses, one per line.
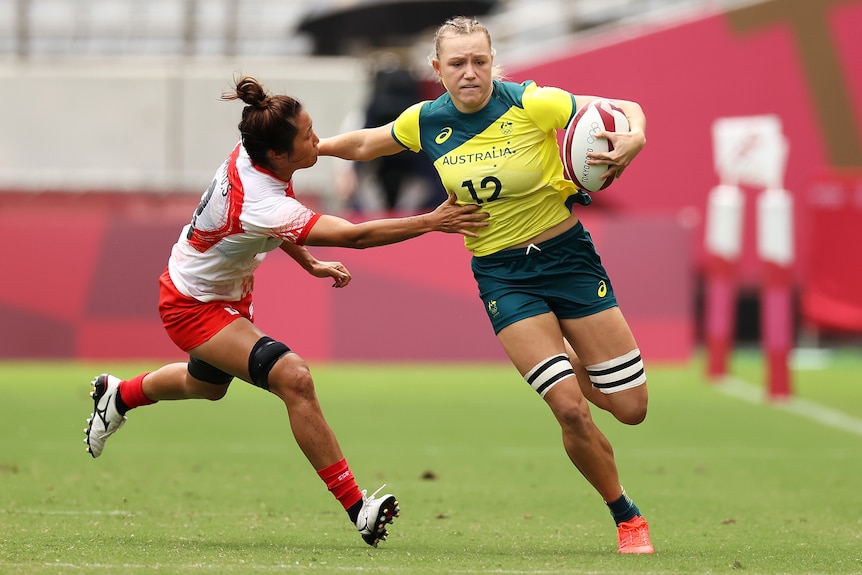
(580, 139)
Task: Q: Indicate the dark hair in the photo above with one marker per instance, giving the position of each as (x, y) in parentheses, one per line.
(267, 121)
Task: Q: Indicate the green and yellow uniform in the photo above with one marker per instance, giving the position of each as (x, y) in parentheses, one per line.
(504, 157)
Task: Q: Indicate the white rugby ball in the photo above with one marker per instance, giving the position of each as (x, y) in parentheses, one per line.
(580, 139)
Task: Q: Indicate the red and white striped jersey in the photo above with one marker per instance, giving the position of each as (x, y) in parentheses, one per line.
(245, 213)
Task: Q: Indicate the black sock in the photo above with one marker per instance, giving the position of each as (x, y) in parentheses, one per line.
(353, 512)
(122, 408)
(623, 509)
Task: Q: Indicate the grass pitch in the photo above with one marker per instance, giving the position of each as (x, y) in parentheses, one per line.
(729, 485)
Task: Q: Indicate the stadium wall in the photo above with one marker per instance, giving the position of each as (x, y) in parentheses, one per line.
(152, 125)
(87, 288)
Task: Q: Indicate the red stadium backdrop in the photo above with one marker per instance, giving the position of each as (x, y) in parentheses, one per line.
(86, 288)
(832, 284)
(89, 290)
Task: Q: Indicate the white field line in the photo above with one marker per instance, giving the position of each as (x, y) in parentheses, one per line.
(808, 409)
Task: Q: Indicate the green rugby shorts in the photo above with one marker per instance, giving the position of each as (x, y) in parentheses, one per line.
(563, 275)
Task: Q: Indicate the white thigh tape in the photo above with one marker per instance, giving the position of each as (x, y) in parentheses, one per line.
(618, 374)
(548, 372)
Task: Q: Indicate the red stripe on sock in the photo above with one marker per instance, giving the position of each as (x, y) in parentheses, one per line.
(132, 392)
(340, 481)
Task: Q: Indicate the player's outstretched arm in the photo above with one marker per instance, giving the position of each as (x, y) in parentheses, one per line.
(361, 145)
(448, 217)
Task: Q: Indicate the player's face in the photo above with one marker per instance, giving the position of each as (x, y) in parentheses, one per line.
(305, 150)
(465, 66)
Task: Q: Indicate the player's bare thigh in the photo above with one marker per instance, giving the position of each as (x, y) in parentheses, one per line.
(599, 337)
(531, 340)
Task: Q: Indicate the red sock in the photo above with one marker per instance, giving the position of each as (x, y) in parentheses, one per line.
(132, 392)
(340, 481)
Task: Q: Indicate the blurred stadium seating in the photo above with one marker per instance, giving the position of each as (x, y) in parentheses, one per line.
(75, 28)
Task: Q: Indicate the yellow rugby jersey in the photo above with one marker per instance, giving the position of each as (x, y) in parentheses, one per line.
(504, 157)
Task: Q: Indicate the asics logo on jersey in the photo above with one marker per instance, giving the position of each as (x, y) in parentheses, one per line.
(443, 135)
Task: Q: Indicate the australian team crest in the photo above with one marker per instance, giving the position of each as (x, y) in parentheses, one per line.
(492, 308)
(506, 128)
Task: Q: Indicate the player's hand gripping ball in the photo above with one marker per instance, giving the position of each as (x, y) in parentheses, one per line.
(580, 139)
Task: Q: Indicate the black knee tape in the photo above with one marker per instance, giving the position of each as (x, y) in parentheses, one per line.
(199, 369)
(263, 356)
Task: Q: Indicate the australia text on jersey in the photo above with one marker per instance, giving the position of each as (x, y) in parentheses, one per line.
(492, 154)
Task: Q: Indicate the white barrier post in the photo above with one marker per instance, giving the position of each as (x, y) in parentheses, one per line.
(750, 151)
(725, 207)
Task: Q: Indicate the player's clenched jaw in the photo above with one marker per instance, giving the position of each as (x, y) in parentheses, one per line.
(465, 67)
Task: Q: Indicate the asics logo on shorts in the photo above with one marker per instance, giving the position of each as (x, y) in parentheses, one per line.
(603, 288)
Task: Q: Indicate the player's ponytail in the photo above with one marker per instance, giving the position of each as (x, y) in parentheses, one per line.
(267, 121)
(249, 91)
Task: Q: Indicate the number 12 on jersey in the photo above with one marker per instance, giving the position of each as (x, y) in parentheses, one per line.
(487, 182)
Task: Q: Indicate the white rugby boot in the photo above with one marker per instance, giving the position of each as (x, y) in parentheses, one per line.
(105, 419)
(375, 514)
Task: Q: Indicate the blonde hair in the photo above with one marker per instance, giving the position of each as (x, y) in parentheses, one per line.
(463, 26)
